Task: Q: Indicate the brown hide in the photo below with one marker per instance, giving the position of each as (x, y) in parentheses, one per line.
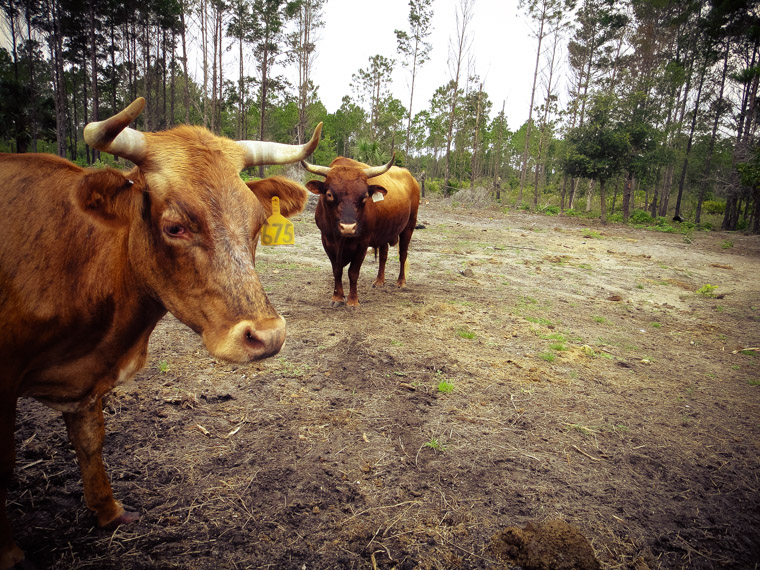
(351, 221)
(90, 260)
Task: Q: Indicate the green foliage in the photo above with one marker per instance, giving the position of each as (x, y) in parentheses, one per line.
(640, 217)
(445, 387)
(707, 290)
(435, 445)
(713, 207)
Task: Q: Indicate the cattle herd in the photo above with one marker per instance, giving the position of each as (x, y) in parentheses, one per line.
(91, 260)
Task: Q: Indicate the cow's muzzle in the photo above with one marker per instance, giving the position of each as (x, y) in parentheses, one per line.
(249, 340)
(347, 229)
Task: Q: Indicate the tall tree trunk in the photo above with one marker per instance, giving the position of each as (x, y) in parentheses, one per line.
(475, 141)
(524, 167)
(627, 192)
(264, 94)
(241, 90)
(186, 79)
(94, 73)
(711, 146)
(690, 141)
(173, 78)
(204, 50)
(464, 17)
(55, 42)
(214, 47)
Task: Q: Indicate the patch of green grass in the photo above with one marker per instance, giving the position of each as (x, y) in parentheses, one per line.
(445, 387)
(539, 321)
(753, 382)
(554, 336)
(581, 428)
(655, 325)
(748, 352)
(396, 343)
(591, 234)
(558, 346)
(163, 366)
(435, 445)
(291, 369)
(600, 320)
(547, 356)
(707, 290)
(465, 333)
(727, 244)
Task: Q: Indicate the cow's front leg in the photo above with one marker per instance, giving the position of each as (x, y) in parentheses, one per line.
(380, 279)
(338, 297)
(353, 277)
(86, 431)
(10, 554)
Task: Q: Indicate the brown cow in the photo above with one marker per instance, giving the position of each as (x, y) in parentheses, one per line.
(91, 260)
(360, 207)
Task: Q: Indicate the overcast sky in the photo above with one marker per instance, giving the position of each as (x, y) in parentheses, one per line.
(502, 49)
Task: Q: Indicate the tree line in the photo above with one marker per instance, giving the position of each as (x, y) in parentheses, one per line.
(647, 104)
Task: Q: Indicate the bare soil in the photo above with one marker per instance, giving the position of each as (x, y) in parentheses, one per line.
(545, 393)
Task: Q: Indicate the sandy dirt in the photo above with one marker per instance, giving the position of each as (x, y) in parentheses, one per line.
(545, 393)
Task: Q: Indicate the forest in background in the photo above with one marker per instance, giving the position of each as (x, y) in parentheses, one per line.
(641, 108)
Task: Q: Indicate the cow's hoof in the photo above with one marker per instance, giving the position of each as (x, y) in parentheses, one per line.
(25, 564)
(14, 559)
(127, 517)
(378, 284)
(336, 304)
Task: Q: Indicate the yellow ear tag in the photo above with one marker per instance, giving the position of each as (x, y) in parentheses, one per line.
(278, 230)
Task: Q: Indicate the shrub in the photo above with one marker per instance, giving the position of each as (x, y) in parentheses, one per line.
(551, 210)
(615, 218)
(713, 207)
(433, 186)
(640, 217)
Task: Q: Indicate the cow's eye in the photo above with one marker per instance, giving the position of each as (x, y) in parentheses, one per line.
(329, 196)
(175, 230)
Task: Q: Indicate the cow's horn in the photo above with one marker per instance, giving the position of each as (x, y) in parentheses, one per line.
(373, 171)
(315, 168)
(261, 152)
(114, 136)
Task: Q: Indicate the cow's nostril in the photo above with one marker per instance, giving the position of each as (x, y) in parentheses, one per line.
(252, 339)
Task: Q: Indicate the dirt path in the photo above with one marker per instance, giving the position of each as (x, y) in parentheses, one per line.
(535, 369)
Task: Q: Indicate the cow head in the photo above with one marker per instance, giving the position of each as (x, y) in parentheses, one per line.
(345, 191)
(193, 225)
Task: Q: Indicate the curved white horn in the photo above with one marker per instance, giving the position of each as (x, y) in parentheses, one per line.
(114, 136)
(261, 152)
(315, 168)
(373, 171)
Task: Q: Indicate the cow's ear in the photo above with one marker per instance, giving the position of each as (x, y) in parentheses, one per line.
(316, 186)
(373, 189)
(291, 194)
(109, 195)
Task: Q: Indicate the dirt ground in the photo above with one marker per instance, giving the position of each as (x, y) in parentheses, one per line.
(545, 393)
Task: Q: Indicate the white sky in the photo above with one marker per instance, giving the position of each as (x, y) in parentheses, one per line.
(502, 49)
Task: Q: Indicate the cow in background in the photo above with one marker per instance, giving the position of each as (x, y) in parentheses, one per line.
(91, 260)
(359, 207)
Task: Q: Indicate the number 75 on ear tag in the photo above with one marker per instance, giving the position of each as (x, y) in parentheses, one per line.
(278, 230)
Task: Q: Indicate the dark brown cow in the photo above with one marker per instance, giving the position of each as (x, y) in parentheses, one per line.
(90, 260)
(360, 207)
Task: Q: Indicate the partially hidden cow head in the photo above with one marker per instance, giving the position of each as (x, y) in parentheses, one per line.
(345, 191)
(193, 225)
